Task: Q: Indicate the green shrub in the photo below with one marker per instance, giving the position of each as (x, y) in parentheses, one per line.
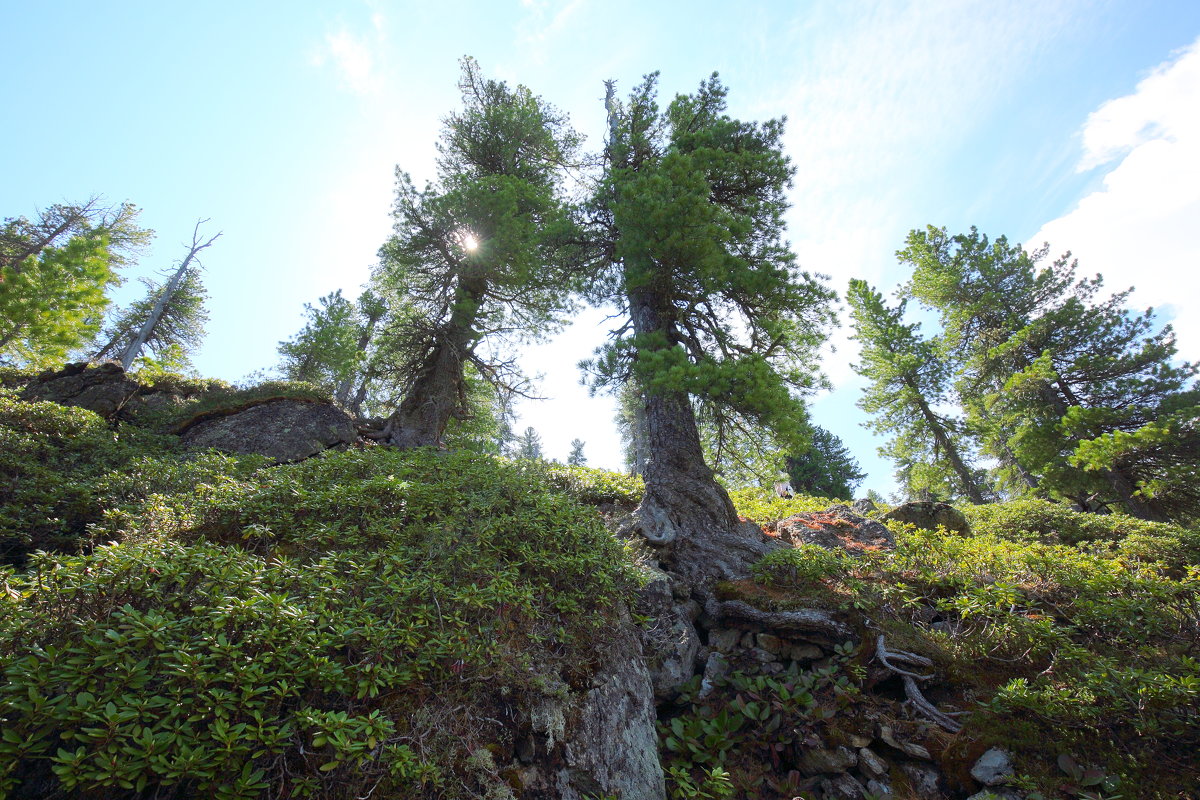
(1085, 648)
(800, 565)
(765, 507)
(64, 470)
(595, 486)
(347, 624)
(219, 399)
(1056, 523)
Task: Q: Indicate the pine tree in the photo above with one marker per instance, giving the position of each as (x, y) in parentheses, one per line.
(55, 272)
(1050, 365)
(825, 468)
(528, 445)
(909, 381)
(631, 426)
(480, 255)
(577, 458)
(690, 213)
(178, 334)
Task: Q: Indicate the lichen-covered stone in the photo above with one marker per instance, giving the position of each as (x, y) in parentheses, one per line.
(838, 528)
(282, 430)
(925, 781)
(929, 516)
(103, 388)
(670, 641)
(820, 760)
(602, 741)
(993, 768)
(871, 765)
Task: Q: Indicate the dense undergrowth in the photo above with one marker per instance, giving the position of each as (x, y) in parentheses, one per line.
(207, 625)
(1061, 633)
(322, 629)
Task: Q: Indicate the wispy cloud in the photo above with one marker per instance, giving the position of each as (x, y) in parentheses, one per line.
(543, 21)
(874, 109)
(355, 56)
(1139, 228)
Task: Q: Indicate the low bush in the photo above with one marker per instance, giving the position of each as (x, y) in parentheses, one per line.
(352, 623)
(766, 508)
(595, 486)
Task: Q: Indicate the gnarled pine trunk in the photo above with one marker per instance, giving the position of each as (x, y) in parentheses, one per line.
(685, 513)
(436, 393)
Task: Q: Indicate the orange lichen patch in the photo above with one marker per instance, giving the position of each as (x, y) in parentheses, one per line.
(823, 519)
(856, 546)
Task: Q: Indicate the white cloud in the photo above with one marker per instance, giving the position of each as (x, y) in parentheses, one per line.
(354, 57)
(874, 108)
(1139, 228)
(545, 20)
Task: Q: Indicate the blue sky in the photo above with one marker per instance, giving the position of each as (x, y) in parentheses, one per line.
(1077, 122)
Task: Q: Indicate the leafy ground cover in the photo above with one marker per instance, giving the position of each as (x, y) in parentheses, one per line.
(323, 629)
(1071, 638)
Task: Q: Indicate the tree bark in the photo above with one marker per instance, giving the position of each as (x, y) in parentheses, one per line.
(685, 513)
(435, 395)
(948, 447)
(1126, 489)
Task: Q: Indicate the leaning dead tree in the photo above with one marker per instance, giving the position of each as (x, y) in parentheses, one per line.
(134, 348)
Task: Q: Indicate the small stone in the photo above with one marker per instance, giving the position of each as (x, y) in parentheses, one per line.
(908, 748)
(716, 668)
(819, 760)
(842, 787)
(748, 640)
(993, 768)
(882, 791)
(924, 781)
(724, 640)
(774, 668)
(771, 643)
(863, 506)
(763, 656)
(803, 652)
(872, 766)
(858, 741)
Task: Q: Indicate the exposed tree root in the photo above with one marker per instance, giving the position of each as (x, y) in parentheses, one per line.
(911, 690)
(806, 621)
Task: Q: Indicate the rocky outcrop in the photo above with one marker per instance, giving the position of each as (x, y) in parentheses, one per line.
(930, 516)
(601, 742)
(283, 430)
(863, 506)
(103, 388)
(670, 640)
(836, 528)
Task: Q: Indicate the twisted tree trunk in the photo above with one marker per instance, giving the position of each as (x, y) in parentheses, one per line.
(436, 393)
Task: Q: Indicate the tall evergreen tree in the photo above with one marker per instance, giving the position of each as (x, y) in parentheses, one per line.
(339, 349)
(528, 445)
(690, 211)
(55, 272)
(910, 380)
(825, 468)
(171, 317)
(178, 333)
(630, 420)
(480, 255)
(1050, 364)
(577, 458)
